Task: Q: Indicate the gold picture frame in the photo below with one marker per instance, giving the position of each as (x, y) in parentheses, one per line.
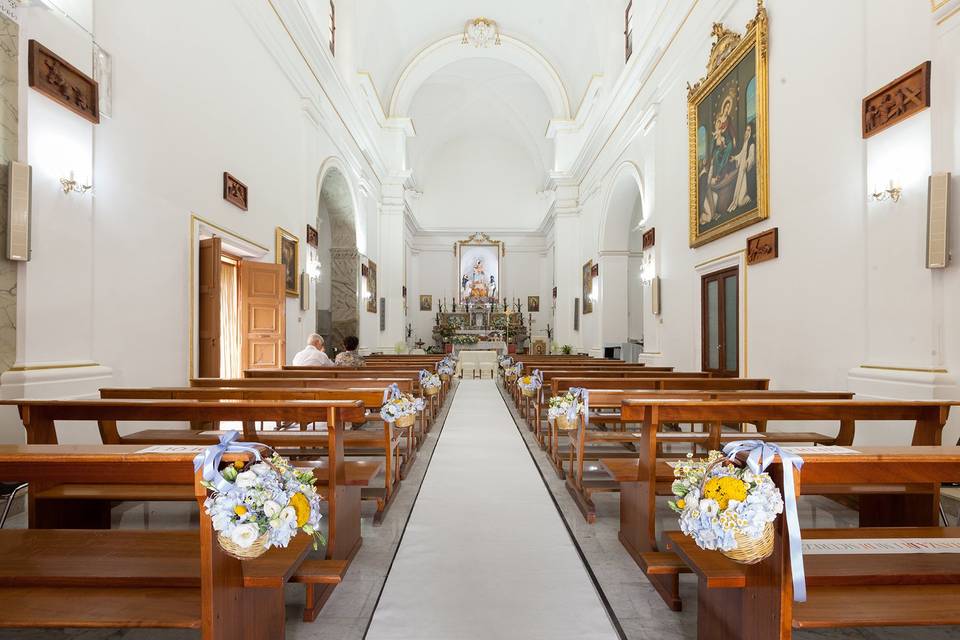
(728, 134)
(287, 253)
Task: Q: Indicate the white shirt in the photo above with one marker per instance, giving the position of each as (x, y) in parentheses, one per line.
(312, 357)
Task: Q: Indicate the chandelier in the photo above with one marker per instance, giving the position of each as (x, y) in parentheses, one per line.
(481, 32)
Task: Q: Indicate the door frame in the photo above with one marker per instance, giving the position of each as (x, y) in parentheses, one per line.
(712, 266)
(232, 243)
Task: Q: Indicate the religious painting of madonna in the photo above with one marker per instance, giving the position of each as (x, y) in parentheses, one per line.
(727, 113)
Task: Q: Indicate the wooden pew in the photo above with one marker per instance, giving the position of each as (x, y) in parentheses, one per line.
(164, 579)
(643, 478)
(85, 507)
(755, 602)
(599, 441)
(384, 442)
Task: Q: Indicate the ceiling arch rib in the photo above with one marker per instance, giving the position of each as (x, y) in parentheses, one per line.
(450, 50)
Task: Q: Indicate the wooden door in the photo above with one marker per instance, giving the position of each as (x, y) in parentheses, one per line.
(720, 322)
(209, 309)
(262, 315)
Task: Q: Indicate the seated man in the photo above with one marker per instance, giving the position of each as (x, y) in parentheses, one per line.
(349, 357)
(313, 355)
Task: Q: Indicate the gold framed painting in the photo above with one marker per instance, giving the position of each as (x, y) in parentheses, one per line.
(288, 254)
(727, 119)
(588, 287)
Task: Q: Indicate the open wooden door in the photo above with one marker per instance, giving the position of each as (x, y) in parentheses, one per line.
(209, 309)
(262, 315)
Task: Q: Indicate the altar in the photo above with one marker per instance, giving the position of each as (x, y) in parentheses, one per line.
(484, 345)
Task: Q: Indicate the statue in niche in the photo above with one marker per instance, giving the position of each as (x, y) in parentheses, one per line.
(492, 288)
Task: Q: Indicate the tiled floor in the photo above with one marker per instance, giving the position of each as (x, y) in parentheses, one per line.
(639, 611)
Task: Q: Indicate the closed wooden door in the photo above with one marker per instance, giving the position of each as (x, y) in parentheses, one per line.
(262, 315)
(209, 309)
(720, 331)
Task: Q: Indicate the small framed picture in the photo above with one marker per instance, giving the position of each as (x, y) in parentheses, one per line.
(312, 238)
(288, 254)
(426, 303)
(533, 304)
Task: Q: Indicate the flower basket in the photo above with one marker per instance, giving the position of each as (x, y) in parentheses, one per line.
(528, 393)
(726, 508)
(445, 377)
(565, 424)
(255, 550)
(431, 391)
(405, 422)
(510, 377)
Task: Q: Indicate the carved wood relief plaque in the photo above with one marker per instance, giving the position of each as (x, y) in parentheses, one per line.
(907, 95)
(763, 246)
(235, 192)
(59, 80)
(649, 238)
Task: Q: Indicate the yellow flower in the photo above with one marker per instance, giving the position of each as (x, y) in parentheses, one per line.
(301, 505)
(681, 503)
(239, 464)
(725, 489)
(526, 379)
(239, 509)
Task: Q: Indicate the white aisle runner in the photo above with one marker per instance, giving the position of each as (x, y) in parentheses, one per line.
(485, 554)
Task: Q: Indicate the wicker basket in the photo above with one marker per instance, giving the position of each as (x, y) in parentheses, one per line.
(510, 378)
(445, 377)
(565, 424)
(257, 549)
(749, 550)
(752, 550)
(529, 393)
(406, 421)
(431, 391)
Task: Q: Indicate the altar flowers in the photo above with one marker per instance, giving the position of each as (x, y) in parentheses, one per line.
(529, 384)
(430, 383)
(730, 506)
(400, 408)
(259, 505)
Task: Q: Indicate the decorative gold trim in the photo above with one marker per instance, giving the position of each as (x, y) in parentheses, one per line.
(42, 367)
(481, 239)
(282, 233)
(916, 370)
(948, 16)
(936, 4)
(729, 48)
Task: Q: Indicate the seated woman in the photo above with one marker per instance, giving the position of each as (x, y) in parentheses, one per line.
(349, 357)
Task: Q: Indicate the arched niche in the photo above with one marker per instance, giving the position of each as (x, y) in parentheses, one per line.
(337, 287)
(621, 237)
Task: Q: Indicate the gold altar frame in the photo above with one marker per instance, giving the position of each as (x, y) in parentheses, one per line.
(728, 49)
(483, 240)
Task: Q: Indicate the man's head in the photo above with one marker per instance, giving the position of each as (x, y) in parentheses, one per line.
(315, 340)
(350, 343)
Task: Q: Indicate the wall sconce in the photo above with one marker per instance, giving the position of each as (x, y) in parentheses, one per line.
(70, 184)
(893, 192)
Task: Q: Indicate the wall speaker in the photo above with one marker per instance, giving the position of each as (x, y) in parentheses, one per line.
(304, 291)
(19, 177)
(655, 296)
(383, 314)
(938, 208)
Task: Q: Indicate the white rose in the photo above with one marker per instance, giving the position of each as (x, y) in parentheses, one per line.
(246, 480)
(709, 507)
(222, 521)
(245, 535)
(260, 469)
(271, 508)
(288, 515)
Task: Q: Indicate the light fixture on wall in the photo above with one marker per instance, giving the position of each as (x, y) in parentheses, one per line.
(71, 184)
(892, 192)
(481, 32)
(314, 267)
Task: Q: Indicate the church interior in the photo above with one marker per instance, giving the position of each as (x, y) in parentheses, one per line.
(456, 320)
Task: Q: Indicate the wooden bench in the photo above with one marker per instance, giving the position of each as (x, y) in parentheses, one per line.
(83, 508)
(385, 442)
(602, 441)
(755, 602)
(165, 579)
(645, 477)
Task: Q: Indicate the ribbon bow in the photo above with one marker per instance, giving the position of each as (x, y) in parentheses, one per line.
(393, 391)
(538, 376)
(209, 459)
(759, 456)
(584, 396)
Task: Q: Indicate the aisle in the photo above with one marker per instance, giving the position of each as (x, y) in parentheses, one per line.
(485, 554)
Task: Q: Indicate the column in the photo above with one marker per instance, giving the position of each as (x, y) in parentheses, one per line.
(392, 265)
(566, 234)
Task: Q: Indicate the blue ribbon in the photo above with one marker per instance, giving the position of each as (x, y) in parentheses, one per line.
(539, 377)
(584, 397)
(392, 391)
(424, 374)
(759, 456)
(209, 459)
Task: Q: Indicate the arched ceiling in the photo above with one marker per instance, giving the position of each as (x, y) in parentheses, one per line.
(480, 98)
(573, 35)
